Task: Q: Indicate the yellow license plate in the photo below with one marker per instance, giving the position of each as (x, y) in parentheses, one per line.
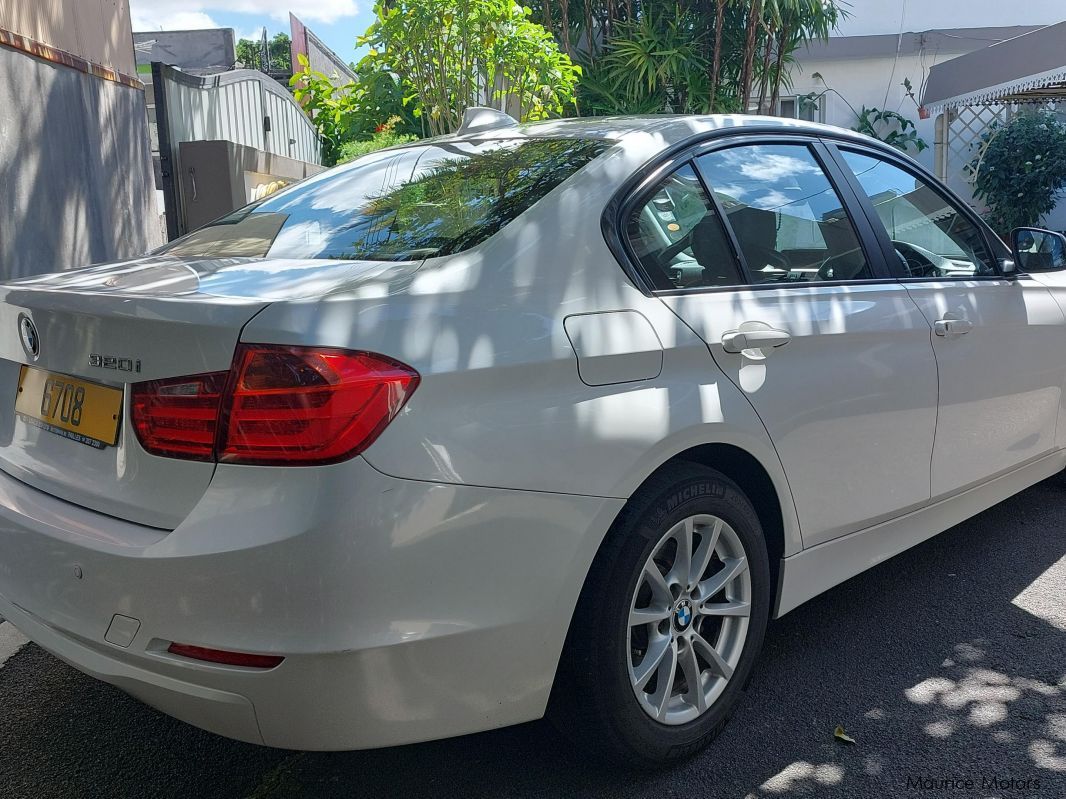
(76, 409)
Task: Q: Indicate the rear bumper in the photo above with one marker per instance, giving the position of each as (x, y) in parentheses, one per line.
(405, 611)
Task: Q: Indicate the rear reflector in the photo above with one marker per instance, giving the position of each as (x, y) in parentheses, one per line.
(224, 657)
(278, 405)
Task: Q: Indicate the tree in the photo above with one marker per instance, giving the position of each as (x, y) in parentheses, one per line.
(450, 55)
(279, 54)
(354, 112)
(743, 46)
(1020, 169)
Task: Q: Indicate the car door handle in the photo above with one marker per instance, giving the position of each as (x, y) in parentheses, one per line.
(740, 340)
(952, 327)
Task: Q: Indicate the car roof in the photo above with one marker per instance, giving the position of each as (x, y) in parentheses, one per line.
(669, 128)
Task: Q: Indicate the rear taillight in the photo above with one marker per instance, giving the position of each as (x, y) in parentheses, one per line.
(278, 405)
(178, 417)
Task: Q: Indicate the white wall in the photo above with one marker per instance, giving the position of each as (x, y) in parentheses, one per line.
(883, 16)
(873, 82)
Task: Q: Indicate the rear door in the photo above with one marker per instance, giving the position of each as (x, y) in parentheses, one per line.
(999, 341)
(800, 312)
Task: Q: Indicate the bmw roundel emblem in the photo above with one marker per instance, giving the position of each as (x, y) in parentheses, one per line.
(683, 614)
(31, 341)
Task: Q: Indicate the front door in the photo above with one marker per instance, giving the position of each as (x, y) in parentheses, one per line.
(999, 342)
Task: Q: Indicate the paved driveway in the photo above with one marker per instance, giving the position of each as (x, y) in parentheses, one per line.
(946, 664)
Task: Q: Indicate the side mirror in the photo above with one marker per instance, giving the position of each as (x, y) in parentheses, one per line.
(1037, 250)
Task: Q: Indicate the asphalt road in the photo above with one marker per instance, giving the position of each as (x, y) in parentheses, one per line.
(947, 663)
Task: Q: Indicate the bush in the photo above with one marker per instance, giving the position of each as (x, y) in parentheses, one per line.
(385, 136)
(1020, 167)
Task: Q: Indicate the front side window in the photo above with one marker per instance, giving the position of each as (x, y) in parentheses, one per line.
(789, 222)
(931, 236)
(407, 204)
(678, 239)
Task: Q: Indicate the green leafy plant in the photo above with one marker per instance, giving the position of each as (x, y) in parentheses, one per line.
(386, 135)
(450, 55)
(891, 127)
(352, 112)
(745, 48)
(331, 108)
(1019, 169)
(655, 63)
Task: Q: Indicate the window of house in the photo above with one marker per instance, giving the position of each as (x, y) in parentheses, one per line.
(803, 107)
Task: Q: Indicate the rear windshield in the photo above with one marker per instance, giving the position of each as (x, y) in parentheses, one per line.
(409, 204)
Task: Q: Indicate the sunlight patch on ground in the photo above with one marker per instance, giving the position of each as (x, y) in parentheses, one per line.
(791, 777)
(11, 641)
(1045, 597)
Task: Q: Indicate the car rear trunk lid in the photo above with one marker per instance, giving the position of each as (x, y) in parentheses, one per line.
(119, 324)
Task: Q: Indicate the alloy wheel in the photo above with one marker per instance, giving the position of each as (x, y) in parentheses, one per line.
(688, 619)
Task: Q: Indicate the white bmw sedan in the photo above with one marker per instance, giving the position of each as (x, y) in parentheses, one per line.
(529, 420)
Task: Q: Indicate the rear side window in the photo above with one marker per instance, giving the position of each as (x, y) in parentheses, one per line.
(789, 221)
(417, 202)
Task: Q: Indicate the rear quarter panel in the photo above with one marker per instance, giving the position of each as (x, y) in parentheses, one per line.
(501, 402)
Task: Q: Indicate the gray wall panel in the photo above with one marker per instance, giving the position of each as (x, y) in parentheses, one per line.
(76, 181)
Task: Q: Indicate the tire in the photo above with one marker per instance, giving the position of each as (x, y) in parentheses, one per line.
(597, 700)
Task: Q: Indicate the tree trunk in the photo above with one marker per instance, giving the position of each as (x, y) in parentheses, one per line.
(716, 58)
(764, 83)
(782, 37)
(564, 11)
(750, 43)
(548, 16)
(588, 31)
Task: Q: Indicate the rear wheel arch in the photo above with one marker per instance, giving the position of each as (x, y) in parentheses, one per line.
(579, 700)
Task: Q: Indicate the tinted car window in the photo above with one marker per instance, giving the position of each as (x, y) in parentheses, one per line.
(789, 221)
(408, 204)
(677, 237)
(932, 238)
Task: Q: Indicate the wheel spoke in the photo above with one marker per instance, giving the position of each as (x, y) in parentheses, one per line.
(711, 655)
(665, 686)
(659, 587)
(691, 668)
(725, 609)
(682, 567)
(702, 556)
(732, 568)
(653, 615)
(652, 659)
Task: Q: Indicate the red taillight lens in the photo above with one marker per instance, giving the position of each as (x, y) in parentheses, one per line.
(225, 657)
(309, 405)
(278, 405)
(178, 417)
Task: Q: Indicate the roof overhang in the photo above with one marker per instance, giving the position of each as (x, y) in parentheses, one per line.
(1027, 68)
